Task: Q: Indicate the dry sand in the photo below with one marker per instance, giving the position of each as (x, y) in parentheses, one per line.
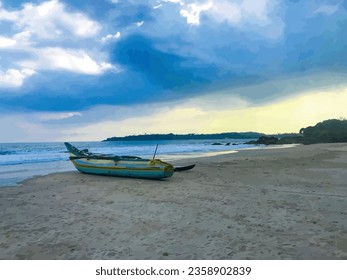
(255, 204)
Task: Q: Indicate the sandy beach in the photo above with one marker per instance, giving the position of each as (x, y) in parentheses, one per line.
(255, 204)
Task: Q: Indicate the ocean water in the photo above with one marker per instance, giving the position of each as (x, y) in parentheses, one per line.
(19, 161)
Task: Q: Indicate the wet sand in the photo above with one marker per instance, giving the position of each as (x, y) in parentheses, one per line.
(255, 204)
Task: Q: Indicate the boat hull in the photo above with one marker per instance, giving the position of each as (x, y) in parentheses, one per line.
(137, 168)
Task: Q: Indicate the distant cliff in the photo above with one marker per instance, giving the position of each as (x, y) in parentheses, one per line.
(171, 136)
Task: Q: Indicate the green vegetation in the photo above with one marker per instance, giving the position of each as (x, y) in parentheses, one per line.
(329, 131)
(298, 139)
(171, 136)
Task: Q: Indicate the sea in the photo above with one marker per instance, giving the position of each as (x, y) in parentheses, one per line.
(20, 161)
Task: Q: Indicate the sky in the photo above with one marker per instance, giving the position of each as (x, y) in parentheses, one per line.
(83, 70)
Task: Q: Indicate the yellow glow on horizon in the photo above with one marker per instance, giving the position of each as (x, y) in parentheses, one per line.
(287, 115)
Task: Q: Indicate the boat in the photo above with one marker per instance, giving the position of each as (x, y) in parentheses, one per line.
(121, 166)
(183, 168)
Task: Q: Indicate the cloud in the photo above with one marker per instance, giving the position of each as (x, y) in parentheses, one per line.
(48, 19)
(111, 37)
(14, 77)
(77, 61)
(181, 2)
(6, 42)
(225, 11)
(212, 113)
(245, 14)
(49, 36)
(193, 11)
(21, 127)
(7, 15)
(57, 116)
(327, 9)
(247, 51)
(278, 116)
(160, 68)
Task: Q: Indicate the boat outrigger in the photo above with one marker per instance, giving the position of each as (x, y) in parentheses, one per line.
(121, 166)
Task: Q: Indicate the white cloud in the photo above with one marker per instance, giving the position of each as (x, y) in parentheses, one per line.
(80, 25)
(77, 61)
(22, 38)
(243, 14)
(58, 116)
(192, 12)
(40, 29)
(48, 18)
(6, 15)
(14, 77)
(18, 41)
(327, 9)
(6, 42)
(175, 1)
(111, 37)
(223, 10)
(226, 11)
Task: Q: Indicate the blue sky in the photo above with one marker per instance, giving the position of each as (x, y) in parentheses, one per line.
(87, 70)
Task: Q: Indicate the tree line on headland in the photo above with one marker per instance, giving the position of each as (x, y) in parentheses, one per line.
(328, 131)
(171, 136)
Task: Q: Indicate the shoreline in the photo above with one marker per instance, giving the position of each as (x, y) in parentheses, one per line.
(171, 158)
(27, 171)
(252, 204)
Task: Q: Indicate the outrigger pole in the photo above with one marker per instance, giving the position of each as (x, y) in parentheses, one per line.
(155, 151)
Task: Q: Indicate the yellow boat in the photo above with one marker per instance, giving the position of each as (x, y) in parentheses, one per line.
(121, 166)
